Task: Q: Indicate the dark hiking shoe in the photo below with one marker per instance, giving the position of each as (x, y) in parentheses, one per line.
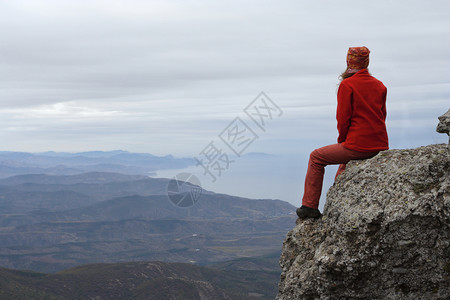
(305, 212)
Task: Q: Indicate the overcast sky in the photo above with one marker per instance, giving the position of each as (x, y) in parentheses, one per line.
(167, 77)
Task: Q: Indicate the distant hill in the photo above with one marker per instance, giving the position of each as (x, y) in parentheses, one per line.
(209, 206)
(36, 207)
(100, 196)
(49, 223)
(54, 163)
(89, 177)
(67, 210)
(139, 280)
(15, 202)
(49, 193)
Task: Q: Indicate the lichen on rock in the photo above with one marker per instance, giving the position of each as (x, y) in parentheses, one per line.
(384, 234)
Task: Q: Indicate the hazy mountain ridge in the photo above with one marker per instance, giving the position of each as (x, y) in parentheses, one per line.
(49, 223)
(37, 231)
(17, 163)
(35, 198)
(89, 177)
(13, 201)
(22, 194)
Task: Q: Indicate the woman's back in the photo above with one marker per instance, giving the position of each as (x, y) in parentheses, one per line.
(361, 113)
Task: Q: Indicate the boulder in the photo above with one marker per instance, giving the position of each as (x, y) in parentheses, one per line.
(384, 234)
(444, 123)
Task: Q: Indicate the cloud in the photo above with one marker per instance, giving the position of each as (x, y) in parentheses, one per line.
(167, 76)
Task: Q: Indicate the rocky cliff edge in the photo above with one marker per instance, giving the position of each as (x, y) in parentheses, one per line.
(385, 232)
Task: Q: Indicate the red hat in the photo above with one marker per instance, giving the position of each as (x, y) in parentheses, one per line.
(357, 59)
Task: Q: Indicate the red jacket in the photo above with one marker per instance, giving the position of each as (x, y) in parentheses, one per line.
(361, 113)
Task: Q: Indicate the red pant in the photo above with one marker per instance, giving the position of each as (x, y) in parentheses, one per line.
(318, 160)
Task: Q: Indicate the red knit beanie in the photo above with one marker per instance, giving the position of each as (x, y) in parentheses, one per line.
(357, 59)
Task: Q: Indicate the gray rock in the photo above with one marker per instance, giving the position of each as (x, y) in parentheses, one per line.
(444, 123)
(385, 232)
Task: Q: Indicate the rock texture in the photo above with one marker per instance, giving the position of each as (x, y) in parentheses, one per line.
(444, 123)
(385, 232)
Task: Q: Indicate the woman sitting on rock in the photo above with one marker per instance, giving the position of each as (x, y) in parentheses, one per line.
(361, 115)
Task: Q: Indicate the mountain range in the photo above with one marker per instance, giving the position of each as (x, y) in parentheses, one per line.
(49, 223)
(96, 225)
(62, 163)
